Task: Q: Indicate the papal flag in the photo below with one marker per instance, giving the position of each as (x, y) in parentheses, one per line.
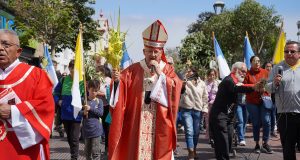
(78, 76)
(222, 63)
(279, 50)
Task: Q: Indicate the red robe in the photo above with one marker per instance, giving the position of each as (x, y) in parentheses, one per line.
(124, 130)
(34, 90)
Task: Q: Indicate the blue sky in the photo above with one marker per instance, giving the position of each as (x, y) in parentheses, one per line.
(176, 15)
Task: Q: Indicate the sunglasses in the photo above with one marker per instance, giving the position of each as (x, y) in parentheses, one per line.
(290, 52)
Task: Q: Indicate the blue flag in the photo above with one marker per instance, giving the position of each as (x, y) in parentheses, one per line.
(126, 60)
(248, 52)
(222, 63)
(48, 66)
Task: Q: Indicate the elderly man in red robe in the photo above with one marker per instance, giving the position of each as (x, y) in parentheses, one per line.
(145, 99)
(26, 105)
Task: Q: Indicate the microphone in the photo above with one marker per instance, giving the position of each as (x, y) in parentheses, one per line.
(152, 69)
(280, 70)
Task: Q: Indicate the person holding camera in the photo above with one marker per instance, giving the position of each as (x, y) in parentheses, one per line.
(284, 82)
(259, 112)
(193, 101)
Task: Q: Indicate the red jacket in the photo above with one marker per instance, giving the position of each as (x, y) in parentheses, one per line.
(253, 77)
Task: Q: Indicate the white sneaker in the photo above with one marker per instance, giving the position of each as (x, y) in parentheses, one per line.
(242, 143)
(275, 128)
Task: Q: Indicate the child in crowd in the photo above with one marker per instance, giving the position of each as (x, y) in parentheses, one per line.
(92, 128)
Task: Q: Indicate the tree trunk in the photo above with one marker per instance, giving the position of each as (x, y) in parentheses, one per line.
(261, 46)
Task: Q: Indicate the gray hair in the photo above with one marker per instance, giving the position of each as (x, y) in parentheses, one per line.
(237, 65)
(11, 33)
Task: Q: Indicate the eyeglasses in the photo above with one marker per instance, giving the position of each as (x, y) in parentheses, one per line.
(6, 44)
(290, 52)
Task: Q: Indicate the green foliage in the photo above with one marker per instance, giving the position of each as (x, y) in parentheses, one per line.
(197, 48)
(230, 29)
(260, 23)
(197, 26)
(54, 22)
(82, 13)
(90, 69)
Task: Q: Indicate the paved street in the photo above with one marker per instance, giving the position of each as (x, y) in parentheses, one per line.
(59, 149)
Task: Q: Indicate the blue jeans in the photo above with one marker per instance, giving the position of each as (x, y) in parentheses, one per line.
(260, 116)
(179, 118)
(191, 121)
(242, 117)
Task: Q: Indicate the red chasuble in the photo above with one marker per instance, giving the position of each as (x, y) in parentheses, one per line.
(31, 92)
(126, 116)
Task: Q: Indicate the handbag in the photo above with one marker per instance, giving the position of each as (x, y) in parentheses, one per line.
(267, 102)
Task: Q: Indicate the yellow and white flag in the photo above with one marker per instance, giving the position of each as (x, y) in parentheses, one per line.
(78, 75)
(279, 50)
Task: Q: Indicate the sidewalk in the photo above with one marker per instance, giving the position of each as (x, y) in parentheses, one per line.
(59, 149)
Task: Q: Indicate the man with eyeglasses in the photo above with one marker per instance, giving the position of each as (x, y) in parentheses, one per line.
(284, 81)
(146, 104)
(26, 104)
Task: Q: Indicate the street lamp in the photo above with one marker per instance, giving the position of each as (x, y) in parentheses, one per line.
(218, 6)
(298, 33)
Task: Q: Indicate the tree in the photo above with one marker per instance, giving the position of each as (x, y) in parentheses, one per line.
(197, 48)
(260, 23)
(54, 22)
(202, 18)
(230, 29)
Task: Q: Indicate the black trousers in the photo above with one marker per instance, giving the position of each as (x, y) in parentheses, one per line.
(289, 129)
(72, 129)
(58, 121)
(222, 131)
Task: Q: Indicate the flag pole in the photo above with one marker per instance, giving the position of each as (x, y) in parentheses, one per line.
(213, 40)
(213, 36)
(84, 78)
(84, 71)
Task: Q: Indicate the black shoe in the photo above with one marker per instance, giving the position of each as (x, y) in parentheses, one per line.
(212, 143)
(257, 148)
(61, 134)
(266, 148)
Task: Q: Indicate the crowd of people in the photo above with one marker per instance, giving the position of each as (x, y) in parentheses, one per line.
(136, 111)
